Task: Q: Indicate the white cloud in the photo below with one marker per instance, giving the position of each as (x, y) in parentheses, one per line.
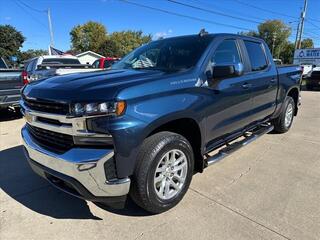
(162, 34)
(158, 35)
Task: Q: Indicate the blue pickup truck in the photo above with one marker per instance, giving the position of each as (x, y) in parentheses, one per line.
(168, 109)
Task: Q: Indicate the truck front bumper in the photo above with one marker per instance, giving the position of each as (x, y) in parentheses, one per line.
(79, 171)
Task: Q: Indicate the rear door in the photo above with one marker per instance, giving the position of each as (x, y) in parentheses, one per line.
(264, 79)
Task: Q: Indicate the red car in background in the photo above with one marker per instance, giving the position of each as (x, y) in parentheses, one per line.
(105, 62)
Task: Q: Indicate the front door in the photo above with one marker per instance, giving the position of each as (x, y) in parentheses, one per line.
(230, 104)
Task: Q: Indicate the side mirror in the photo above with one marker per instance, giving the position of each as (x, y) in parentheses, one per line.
(227, 70)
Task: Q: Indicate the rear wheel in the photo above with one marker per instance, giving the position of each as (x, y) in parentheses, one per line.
(163, 173)
(283, 123)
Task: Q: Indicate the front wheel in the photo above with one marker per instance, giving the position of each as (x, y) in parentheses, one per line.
(163, 173)
(283, 123)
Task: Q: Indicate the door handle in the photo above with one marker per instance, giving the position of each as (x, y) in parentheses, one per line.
(246, 85)
(273, 80)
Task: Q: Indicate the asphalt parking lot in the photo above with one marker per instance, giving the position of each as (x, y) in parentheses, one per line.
(268, 190)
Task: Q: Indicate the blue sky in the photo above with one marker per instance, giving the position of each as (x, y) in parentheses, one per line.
(117, 15)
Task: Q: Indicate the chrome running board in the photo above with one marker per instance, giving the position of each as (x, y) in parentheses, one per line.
(230, 148)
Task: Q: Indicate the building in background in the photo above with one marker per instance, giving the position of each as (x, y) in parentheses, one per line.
(309, 58)
(88, 57)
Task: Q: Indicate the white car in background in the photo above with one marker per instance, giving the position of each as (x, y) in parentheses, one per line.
(307, 70)
(53, 65)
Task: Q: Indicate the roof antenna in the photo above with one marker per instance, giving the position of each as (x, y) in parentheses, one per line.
(203, 32)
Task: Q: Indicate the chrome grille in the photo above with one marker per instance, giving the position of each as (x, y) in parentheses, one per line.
(53, 141)
(46, 106)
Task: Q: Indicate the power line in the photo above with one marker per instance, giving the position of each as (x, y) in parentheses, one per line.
(213, 12)
(312, 36)
(226, 9)
(270, 11)
(30, 15)
(184, 16)
(316, 26)
(265, 10)
(308, 32)
(32, 8)
(309, 20)
(313, 19)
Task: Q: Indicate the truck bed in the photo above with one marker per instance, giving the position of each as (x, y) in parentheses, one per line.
(288, 70)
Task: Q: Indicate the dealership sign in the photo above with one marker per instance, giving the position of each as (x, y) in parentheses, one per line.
(307, 56)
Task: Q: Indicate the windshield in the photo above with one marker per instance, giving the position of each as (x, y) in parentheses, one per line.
(173, 54)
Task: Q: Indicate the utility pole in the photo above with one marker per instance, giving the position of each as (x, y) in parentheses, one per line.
(297, 36)
(50, 28)
(301, 24)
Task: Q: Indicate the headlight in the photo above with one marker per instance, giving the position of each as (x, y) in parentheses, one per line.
(104, 108)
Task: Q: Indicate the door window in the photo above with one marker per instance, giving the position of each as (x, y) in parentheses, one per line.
(257, 56)
(226, 53)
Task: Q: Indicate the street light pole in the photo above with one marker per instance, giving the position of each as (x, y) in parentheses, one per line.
(50, 28)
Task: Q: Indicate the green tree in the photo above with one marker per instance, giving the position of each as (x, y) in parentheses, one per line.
(276, 34)
(110, 48)
(11, 41)
(119, 44)
(287, 53)
(307, 43)
(88, 36)
(250, 34)
(31, 53)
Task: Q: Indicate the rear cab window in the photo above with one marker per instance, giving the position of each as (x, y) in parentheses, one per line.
(61, 61)
(96, 63)
(257, 56)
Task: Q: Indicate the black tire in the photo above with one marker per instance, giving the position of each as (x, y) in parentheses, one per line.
(279, 123)
(151, 152)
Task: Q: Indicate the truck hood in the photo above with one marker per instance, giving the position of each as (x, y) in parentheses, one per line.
(86, 87)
